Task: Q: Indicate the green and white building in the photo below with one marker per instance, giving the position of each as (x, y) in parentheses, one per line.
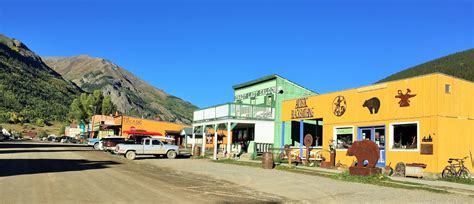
(252, 119)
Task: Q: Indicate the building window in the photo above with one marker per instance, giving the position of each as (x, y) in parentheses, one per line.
(269, 100)
(447, 88)
(405, 136)
(253, 101)
(343, 137)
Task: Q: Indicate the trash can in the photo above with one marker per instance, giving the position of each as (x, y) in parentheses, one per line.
(267, 160)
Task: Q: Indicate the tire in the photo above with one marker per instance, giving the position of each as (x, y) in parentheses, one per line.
(448, 172)
(464, 173)
(171, 154)
(130, 155)
(96, 146)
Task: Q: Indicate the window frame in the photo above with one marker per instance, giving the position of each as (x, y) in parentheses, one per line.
(391, 133)
(335, 136)
(447, 88)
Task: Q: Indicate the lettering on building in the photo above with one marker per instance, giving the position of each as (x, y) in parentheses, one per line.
(302, 110)
(132, 121)
(253, 94)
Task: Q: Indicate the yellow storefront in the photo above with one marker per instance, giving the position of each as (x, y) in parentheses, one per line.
(426, 119)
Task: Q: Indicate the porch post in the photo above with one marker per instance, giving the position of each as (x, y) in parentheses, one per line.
(215, 141)
(194, 142)
(203, 148)
(229, 140)
(301, 138)
(282, 134)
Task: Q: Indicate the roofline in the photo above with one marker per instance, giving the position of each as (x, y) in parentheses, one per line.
(419, 76)
(255, 81)
(267, 78)
(183, 124)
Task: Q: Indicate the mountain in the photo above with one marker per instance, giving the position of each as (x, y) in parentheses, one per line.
(30, 89)
(460, 64)
(131, 95)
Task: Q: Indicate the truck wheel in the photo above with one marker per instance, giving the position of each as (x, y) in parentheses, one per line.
(96, 146)
(171, 154)
(130, 155)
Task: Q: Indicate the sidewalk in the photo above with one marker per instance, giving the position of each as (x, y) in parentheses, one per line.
(445, 185)
(437, 184)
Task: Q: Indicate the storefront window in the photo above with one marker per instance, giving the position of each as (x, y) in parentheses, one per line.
(405, 136)
(344, 137)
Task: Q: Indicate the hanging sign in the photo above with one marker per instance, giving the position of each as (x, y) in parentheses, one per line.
(302, 110)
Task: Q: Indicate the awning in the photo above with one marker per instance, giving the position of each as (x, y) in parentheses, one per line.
(137, 132)
(172, 132)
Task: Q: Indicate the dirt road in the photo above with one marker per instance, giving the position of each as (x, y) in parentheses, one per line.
(56, 173)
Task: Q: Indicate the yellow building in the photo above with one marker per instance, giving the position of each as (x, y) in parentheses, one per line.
(426, 119)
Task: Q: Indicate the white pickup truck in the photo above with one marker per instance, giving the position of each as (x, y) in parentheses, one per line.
(149, 146)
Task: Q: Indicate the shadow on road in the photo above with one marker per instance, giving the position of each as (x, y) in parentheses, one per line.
(13, 167)
(161, 157)
(12, 151)
(35, 145)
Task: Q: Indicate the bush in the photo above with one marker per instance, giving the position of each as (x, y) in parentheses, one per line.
(40, 122)
(42, 134)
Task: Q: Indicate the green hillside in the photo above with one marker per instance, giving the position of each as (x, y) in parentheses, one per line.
(30, 91)
(459, 64)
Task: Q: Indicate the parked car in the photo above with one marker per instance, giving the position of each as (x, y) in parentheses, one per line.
(93, 142)
(109, 144)
(149, 146)
(67, 139)
(105, 139)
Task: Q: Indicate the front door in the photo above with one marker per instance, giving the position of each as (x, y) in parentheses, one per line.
(376, 134)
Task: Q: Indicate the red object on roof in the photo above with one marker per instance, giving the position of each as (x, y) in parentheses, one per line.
(139, 132)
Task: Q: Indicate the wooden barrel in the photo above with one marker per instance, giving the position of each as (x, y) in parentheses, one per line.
(197, 151)
(267, 160)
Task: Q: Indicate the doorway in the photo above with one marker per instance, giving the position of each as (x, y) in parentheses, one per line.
(376, 134)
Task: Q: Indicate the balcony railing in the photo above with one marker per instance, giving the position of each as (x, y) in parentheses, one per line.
(235, 111)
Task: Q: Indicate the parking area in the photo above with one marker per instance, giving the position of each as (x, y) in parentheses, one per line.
(59, 173)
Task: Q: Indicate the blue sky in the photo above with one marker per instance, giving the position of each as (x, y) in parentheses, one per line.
(198, 50)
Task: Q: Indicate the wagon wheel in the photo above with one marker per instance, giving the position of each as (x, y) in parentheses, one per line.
(400, 169)
(308, 140)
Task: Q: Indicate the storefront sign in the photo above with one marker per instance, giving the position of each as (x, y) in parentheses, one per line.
(302, 110)
(343, 131)
(339, 106)
(404, 98)
(372, 104)
(261, 92)
(133, 121)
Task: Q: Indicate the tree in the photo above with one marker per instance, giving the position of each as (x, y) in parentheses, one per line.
(107, 106)
(86, 105)
(76, 111)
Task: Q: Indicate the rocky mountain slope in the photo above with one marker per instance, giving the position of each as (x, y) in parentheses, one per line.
(130, 94)
(29, 89)
(460, 64)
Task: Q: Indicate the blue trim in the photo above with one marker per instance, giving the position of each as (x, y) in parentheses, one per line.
(282, 134)
(301, 138)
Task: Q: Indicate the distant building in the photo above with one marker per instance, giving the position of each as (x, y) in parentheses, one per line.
(72, 130)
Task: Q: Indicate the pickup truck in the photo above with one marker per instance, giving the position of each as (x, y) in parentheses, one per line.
(149, 146)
